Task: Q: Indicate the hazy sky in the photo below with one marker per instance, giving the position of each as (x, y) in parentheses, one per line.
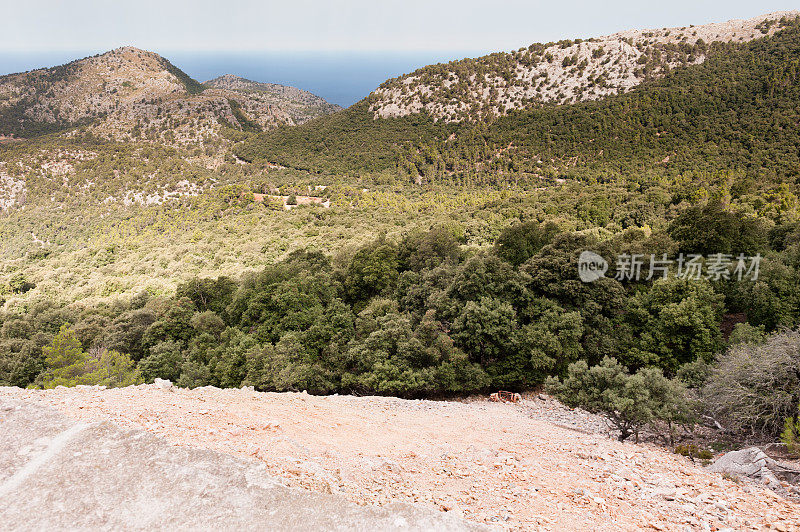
(39, 25)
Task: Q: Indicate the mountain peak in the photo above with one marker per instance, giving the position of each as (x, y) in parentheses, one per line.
(84, 90)
(129, 93)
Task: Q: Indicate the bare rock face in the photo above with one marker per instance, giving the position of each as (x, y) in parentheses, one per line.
(164, 384)
(749, 462)
(60, 474)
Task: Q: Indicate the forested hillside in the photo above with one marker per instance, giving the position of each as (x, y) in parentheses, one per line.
(735, 112)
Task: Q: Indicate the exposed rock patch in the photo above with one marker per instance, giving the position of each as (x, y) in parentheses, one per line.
(754, 464)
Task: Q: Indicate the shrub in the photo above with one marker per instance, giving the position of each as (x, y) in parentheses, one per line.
(20, 362)
(112, 369)
(744, 333)
(389, 356)
(421, 250)
(164, 362)
(692, 451)
(791, 435)
(208, 322)
(372, 271)
(679, 322)
(629, 402)
(694, 374)
(753, 388)
(193, 375)
(522, 241)
(712, 228)
(69, 365)
(19, 284)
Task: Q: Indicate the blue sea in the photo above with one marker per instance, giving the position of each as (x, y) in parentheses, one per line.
(340, 77)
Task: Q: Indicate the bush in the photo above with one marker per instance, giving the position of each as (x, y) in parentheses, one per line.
(692, 451)
(193, 375)
(629, 402)
(421, 250)
(208, 322)
(791, 435)
(744, 333)
(164, 362)
(372, 271)
(18, 284)
(694, 374)
(112, 369)
(522, 241)
(753, 388)
(389, 356)
(679, 322)
(711, 228)
(20, 362)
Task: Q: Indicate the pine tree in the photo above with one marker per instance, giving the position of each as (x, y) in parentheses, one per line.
(65, 360)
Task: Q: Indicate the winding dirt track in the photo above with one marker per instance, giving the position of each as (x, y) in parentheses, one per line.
(498, 464)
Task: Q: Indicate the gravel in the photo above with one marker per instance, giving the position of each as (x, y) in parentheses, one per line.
(534, 465)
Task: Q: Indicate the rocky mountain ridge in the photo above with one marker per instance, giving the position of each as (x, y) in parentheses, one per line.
(132, 94)
(564, 72)
(301, 104)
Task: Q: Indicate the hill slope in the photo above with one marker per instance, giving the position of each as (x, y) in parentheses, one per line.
(563, 72)
(735, 110)
(130, 94)
(192, 488)
(299, 104)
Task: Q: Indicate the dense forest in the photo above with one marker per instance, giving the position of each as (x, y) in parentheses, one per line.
(423, 316)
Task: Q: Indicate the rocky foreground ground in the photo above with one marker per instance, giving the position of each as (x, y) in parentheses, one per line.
(62, 474)
(532, 465)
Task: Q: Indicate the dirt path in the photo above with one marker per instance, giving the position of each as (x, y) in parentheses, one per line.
(499, 464)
